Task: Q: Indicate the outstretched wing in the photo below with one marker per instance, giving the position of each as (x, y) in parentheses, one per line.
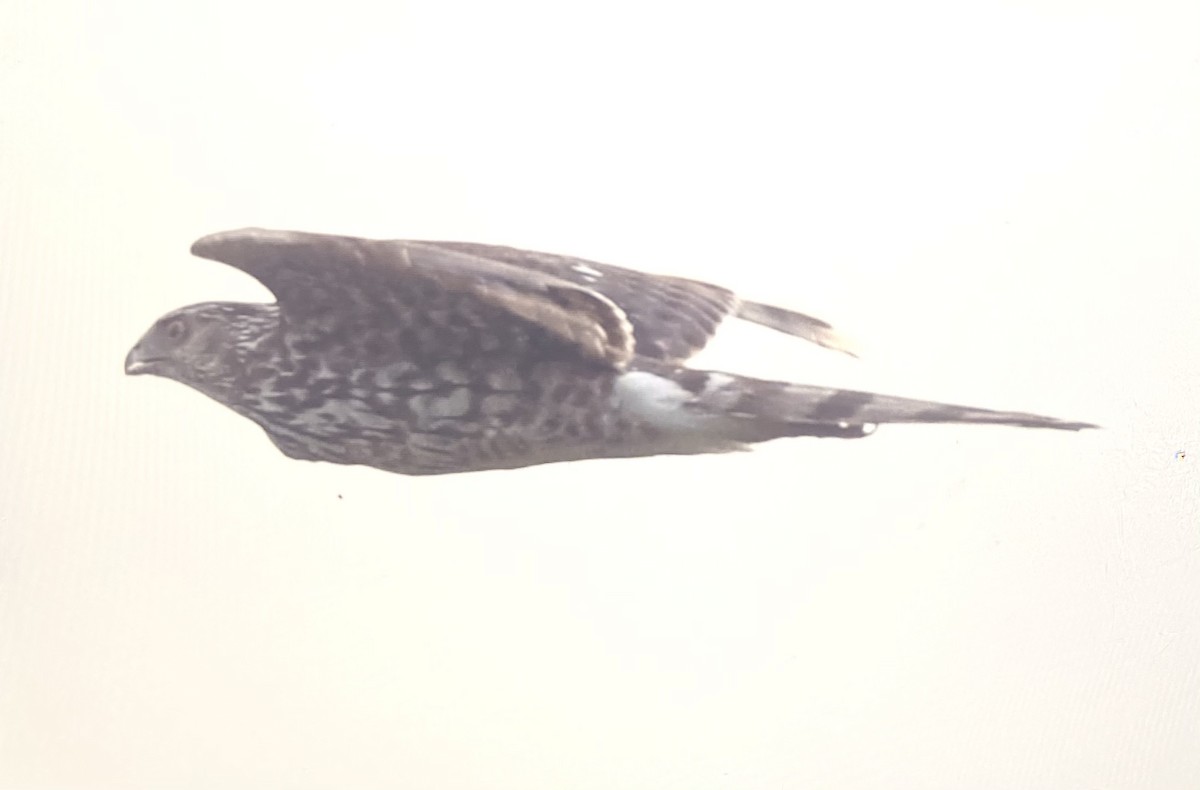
(315, 277)
(672, 317)
(608, 313)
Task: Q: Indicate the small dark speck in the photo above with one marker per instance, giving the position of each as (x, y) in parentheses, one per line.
(339, 496)
(1181, 455)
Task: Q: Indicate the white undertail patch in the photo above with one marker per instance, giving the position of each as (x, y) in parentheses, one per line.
(654, 399)
(664, 404)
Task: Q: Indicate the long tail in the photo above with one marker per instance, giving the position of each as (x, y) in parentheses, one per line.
(744, 409)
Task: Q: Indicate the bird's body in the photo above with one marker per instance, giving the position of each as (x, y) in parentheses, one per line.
(422, 400)
(439, 357)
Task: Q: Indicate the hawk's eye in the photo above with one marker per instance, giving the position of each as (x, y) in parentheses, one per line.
(176, 329)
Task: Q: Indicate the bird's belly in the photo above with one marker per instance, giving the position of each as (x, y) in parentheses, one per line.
(456, 429)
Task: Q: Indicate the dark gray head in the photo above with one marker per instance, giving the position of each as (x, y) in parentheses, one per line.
(202, 345)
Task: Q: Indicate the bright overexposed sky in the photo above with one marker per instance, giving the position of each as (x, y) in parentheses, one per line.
(997, 199)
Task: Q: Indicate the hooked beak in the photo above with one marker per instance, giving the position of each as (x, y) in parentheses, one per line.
(137, 363)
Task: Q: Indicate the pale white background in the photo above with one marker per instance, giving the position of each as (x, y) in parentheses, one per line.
(999, 199)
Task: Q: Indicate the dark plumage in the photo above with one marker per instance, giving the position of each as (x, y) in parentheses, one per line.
(436, 357)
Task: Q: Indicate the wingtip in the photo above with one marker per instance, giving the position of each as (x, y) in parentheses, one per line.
(800, 325)
(838, 341)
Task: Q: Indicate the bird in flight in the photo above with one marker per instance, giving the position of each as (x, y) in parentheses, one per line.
(433, 357)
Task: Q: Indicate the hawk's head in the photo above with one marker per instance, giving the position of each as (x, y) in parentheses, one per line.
(202, 345)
